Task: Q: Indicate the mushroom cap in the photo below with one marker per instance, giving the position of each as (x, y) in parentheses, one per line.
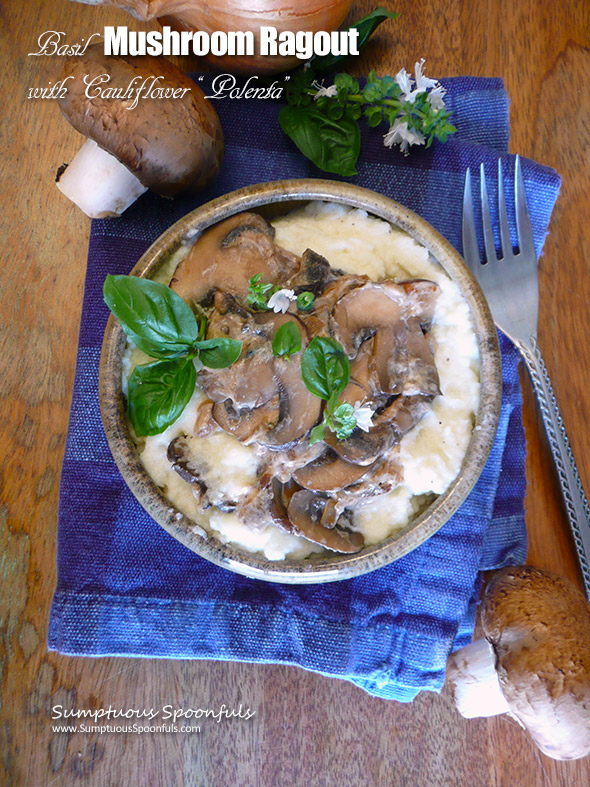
(170, 144)
(228, 254)
(538, 625)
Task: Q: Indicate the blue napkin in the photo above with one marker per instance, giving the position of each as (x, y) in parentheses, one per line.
(126, 587)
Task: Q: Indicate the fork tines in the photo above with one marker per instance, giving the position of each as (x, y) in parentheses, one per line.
(523, 223)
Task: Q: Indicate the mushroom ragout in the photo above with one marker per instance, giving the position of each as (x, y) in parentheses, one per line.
(241, 460)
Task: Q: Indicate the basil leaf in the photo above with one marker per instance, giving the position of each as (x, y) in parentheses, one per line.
(158, 393)
(287, 340)
(152, 315)
(219, 353)
(332, 145)
(366, 27)
(325, 369)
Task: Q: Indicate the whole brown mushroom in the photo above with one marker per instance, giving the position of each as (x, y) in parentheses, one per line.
(170, 144)
(534, 662)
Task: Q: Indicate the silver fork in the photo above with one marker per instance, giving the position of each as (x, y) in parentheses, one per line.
(511, 287)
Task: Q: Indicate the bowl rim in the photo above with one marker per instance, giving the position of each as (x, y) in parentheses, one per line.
(324, 567)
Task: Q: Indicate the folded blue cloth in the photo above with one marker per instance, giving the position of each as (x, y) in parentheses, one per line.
(126, 587)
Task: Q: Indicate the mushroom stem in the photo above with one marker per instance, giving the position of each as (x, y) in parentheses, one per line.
(99, 184)
(471, 673)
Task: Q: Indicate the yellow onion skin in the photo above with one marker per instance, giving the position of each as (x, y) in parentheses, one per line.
(242, 15)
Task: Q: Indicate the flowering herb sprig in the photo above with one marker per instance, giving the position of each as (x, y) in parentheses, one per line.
(325, 370)
(323, 120)
(265, 296)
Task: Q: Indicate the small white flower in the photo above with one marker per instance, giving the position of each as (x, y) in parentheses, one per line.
(364, 416)
(404, 80)
(330, 92)
(400, 134)
(280, 301)
(423, 83)
(436, 97)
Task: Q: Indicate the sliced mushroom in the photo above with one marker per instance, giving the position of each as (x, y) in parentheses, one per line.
(204, 422)
(363, 448)
(227, 255)
(385, 475)
(190, 466)
(247, 423)
(300, 409)
(179, 454)
(329, 473)
(249, 383)
(305, 514)
(403, 414)
(421, 300)
(225, 303)
(282, 494)
(324, 304)
(364, 310)
(360, 367)
(415, 361)
(315, 273)
(402, 361)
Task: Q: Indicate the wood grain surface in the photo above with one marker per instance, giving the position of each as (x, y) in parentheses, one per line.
(308, 730)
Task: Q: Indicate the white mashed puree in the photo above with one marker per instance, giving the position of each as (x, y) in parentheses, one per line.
(431, 453)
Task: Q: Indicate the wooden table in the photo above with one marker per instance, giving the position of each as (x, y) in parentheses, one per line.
(307, 729)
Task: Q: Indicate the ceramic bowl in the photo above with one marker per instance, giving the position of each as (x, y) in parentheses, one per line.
(273, 199)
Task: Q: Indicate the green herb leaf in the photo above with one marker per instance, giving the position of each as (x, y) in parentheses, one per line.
(158, 393)
(325, 369)
(344, 421)
(259, 292)
(218, 353)
(305, 301)
(332, 145)
(366, 27)
(287, 340)
(317, 433)
(152, 315)
(374, 116)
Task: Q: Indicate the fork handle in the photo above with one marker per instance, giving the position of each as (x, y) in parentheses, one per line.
(574, 496)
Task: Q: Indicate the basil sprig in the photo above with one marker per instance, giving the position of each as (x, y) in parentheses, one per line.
(259, 294)
(161, 324)
(323, 121)
(325, 370)
(287, 340)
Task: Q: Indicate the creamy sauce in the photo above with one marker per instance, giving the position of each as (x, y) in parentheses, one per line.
(431, 453)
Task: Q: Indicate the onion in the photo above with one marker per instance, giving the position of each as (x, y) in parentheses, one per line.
(241, 15)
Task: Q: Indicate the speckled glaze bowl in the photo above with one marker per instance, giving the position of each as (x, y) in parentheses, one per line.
(273, 199)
